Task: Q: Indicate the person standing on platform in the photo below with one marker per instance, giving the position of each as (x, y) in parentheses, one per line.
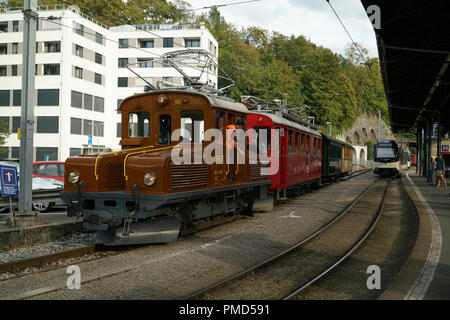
(433, 173)
(440, 171)
(430, 171)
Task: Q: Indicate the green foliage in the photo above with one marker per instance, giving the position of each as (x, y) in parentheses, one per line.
(4, 134)
(267, 64)
(370, 148)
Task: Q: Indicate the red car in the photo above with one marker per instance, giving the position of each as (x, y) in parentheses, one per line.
(49, 169)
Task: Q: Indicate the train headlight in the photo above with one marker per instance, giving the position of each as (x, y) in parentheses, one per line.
(74, 176)
(149, 179)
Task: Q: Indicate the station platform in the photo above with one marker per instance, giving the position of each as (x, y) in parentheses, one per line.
(426, 274)
(51, 226)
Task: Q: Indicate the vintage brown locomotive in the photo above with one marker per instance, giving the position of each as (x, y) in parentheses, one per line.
(138, 195)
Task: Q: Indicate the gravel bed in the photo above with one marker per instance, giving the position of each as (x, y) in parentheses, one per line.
(74, 242)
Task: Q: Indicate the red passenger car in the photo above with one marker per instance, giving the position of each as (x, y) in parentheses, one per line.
(300, 150)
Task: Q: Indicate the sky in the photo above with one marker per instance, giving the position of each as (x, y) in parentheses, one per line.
(313, 19)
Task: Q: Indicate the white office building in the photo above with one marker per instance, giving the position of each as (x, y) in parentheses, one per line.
(81, 76)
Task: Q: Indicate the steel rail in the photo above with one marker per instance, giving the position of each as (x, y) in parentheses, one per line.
(281, 254)
(14, 266)
(348, 252)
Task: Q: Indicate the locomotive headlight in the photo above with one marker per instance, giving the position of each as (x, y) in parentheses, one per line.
(74, 176)
(149, 179)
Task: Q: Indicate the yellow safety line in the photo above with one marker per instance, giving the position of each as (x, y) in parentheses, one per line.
(139, 152)
(115, 153)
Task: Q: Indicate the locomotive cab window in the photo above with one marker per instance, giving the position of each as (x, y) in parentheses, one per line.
(192, 125)
(165, 129)
(138, 124)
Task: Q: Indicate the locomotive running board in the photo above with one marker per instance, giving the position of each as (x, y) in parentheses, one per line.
(160, 230)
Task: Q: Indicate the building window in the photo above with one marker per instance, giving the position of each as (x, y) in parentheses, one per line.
(98, 38)
(3, 48)
(2, 71)
(76, 99)
(122, 82)
(98, 129)
(4, 26)
(123, 62)
(4, 98)
(15, 152)
(145, 63)
(15, 48)
(51, 69)
(47, 125)
(79, 29)
(98, 78)
(17, 98)
(75, 126)
(15, 124)
(87, 102)
(75, 152)
(146, 43)
(87, 127)
(119, 101)
(192, 43)
(16, 26)
(55, 46)
(119, 130)
(168, 79)
(123, 43)
(78, 73)
(168, 42)
(99, 104)
(98, 58)
(14, 70)
(4, 123)
(79, 50)
(48, 97)
(166, 64)
(46, 154)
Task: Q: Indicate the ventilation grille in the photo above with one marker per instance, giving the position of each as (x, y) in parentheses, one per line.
(114, 174)
(188, 176)
(255, 171)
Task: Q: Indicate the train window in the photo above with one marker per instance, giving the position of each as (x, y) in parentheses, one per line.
(220, 118)
(315, 146)
(193, 122)
(290, 141)
(263, 145)
(138, 124)
(307, 144)
(319, 146)
(297, 140)
(302, 144)
(165, 129)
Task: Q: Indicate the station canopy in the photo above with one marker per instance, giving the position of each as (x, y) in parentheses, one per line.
(414, 50)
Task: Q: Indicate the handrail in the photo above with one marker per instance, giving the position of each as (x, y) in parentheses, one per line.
(140, 152)
(115, 153)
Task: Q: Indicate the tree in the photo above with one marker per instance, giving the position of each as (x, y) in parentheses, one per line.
(4, 134)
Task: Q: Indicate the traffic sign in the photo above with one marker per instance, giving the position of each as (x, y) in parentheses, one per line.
(445, 148)
(89, 140)
(10, 185)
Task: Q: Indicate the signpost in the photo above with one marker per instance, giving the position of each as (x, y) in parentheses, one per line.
(445, 148)
(10, 187)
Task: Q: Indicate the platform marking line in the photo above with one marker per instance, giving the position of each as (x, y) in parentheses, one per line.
(291, 215)
(422, 283)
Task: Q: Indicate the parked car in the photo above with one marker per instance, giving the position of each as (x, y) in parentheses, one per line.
(49, 169)
(41, 182)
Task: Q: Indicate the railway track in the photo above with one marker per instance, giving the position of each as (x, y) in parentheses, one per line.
(15, 267)
(367, 193)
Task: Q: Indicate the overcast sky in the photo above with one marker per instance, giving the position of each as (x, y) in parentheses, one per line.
(313, 19)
